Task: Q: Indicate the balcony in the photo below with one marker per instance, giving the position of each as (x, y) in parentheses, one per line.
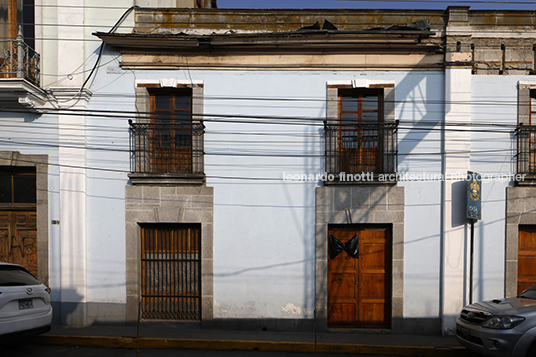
(18, 60)
(355, 149)
(526, 154)
(20, 75)
(168, 154)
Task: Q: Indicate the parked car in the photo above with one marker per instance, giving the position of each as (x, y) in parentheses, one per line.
(25, 309)
(500, 327)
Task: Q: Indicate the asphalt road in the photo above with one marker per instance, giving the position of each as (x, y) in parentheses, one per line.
(70, 351)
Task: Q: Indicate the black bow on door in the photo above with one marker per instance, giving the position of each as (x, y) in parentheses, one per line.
(336, 247)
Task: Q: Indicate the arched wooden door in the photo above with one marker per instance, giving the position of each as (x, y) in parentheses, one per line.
(359, 294)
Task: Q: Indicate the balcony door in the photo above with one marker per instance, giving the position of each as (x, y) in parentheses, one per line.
(359, 139)
(171, 139)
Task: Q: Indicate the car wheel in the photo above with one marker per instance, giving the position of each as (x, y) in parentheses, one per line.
(18, 342)
(532, 350)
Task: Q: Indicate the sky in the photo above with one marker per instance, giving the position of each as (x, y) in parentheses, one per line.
(378, 4)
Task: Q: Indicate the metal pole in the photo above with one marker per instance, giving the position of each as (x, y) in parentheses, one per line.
(314, 316)
(471, 263)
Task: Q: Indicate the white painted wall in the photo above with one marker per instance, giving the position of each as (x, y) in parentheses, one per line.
(38, 134)
(87, 250)
(108, 157)
(456, 146)
(494, 153)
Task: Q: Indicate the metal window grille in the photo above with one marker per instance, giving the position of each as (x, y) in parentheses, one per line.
(357, 148)
(171, 272)
(166, 148)
(526, 149)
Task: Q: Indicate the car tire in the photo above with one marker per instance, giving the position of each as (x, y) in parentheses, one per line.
(531, 352)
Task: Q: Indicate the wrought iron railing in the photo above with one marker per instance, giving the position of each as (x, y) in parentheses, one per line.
(361, 148)
(526, 149)
(19, 60)
(166, 148)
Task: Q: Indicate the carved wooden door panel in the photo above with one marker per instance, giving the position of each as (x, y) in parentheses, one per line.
(359, 285)
(18, 238)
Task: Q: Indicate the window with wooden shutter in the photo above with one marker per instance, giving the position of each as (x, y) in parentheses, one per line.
(171, 137)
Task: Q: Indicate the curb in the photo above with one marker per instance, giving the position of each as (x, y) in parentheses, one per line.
(267, 346)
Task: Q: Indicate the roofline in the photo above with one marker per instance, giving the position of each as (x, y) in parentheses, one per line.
(324, 40)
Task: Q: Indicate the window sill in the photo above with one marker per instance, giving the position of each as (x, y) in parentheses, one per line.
(529, 180)
(167, 179)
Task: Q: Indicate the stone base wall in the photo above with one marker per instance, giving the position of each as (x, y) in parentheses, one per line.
(383, 205)
(173, 204)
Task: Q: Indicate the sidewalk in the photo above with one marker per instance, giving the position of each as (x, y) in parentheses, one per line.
(162, 335)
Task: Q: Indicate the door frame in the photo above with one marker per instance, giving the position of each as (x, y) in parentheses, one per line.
(517, 198)
(364, 204)
(528, 228)
(40, 163)
(174, 252)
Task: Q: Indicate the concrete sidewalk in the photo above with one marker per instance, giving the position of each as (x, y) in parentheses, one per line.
(162, 335)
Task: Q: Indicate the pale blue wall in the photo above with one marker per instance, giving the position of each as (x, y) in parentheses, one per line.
(494, 152)
(263, 227)
(108, 142)
(37, 134)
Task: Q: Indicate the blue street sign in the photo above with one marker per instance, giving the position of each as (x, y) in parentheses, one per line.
(474, 193)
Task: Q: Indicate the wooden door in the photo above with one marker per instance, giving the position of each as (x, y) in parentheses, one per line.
(18, 238)
(171, 271)
(359, 287)
(526, 268)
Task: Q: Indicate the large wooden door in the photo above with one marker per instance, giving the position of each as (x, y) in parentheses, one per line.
(18, 238)
(359, 285)
(526, 268)
(18, 217)
(171, 271)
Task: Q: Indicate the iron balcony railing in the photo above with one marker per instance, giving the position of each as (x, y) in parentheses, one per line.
(18, 60)
(526, 149)
(175, 148)
(361, 148)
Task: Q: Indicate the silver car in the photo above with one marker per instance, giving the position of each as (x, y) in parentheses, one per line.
(500, 327)
(25, 309)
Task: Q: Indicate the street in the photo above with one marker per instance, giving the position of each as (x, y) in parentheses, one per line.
(70, 351)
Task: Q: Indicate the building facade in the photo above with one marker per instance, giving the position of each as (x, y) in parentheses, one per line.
(273, 169)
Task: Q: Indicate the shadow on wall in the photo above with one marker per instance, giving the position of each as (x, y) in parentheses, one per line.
(69, 313)
(82, 314)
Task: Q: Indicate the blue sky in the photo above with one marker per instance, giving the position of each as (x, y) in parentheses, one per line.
(378, 4)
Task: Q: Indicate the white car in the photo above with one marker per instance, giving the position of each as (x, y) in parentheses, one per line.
(25, 309)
